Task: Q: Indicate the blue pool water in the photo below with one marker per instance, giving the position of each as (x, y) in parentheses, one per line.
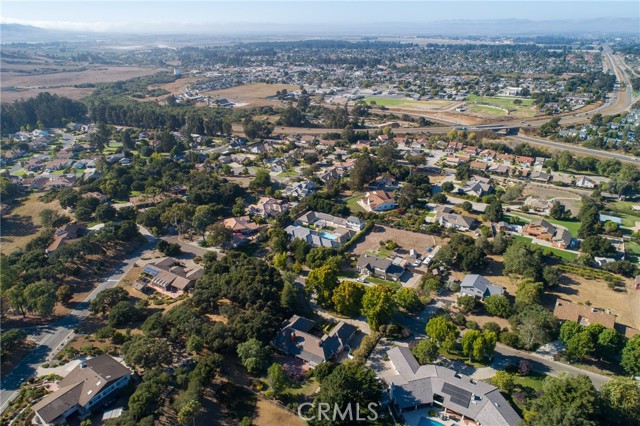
(328, 236)
(429, 422)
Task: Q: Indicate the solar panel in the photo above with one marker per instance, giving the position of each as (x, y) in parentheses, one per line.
(457, 395)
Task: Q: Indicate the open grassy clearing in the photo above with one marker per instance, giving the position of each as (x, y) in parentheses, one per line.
(250, 95)
(409, 103)
(499, 105)
(387, 283)
(353, 205)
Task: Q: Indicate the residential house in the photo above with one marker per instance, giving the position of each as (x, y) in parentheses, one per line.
(415, 388)
(477, 186)
(456, 221)
(375, 266)
(540, 176)
(479, 287)
(378, 201)
(543, 230)
(169, 277)
(323, 220)
(478, 165)
(61, 181)
(88, 386)
(241, 226)
(538, 204)
(299, 190)
(585, 182)
(324, 230)
(65, 235)
(296, 339)
(499, 169)
(268, 207)
(582, 314)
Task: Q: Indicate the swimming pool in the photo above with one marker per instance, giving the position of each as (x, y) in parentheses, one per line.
(328, 236)
(429, 422)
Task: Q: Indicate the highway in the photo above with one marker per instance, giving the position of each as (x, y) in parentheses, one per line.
(51, 338)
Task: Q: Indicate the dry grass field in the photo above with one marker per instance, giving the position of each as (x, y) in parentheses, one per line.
(269, 414)
(62, 82)
(251, 95)
(23, 223)
(407, 240)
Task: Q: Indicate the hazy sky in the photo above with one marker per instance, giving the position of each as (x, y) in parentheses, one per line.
(154, 15)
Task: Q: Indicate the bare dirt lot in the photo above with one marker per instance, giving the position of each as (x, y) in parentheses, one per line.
(23, 223)
(269, 414)
(251, 95)
(570, 199)
(407, 240)
(61, 83)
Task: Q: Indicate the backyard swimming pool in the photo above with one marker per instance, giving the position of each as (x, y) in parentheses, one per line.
(429, 422)
(328, 236)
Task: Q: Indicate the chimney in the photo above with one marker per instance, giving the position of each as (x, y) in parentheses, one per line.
(319, 343)
(293, 335)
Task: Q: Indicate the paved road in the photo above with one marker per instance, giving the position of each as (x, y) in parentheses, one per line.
(51, 338)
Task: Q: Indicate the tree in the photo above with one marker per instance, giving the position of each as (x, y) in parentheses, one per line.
(277, 379)
(589, 217)
(565, 401)
(348, 385)
(523, 259)
(440, 328)
(447, 186)
(439, 198)
(146, 352)
(364, 171)
(107, 299)
(205, 216)
(621, 398)
(64, 294)
(478, 345)
(261, 181)
(105, 213)
(408, 299)
(189, 412)
(467, 303)
(123, 313)
(425, 351)
(219, 235)
(48, 217)
(597, 246)
(253, 355)
(40, 297)
(378, 305)
(534, 325)
(609, 345)
(461, 251)
(631, 356)
(463, 173)
(408, 196)
(580, 346)
(494, 212)
(568, 329)
(466, 206)
(322, 281)
(144, 400)
(504, 381)
(155, 325)
(347, 298)
(558, 211)
(498, 305)
(529, 292)
(10, 340)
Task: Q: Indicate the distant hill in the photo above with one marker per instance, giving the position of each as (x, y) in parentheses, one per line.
(16, 33)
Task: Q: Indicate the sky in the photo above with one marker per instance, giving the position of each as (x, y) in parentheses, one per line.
(194, 16)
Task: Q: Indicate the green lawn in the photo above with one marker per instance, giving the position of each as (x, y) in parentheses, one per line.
(375, 280)
(633, 247)
(567, 255)
(135, 193)
(408, 103)
(353, 205)
(533, 381)
(288, 173)
(382, 252)
(19, 173)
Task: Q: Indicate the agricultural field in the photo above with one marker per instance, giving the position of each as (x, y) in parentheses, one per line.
(62, 83)
(501, 105)
(431, 105)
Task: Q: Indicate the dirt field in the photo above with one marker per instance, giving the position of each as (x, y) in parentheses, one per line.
(251, 95)
(406, 239)
(575, 289)
(23, 223)
(30, 85)
(570, 199)
(269, 414)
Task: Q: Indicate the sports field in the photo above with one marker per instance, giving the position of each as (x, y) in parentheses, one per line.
(410, 103)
